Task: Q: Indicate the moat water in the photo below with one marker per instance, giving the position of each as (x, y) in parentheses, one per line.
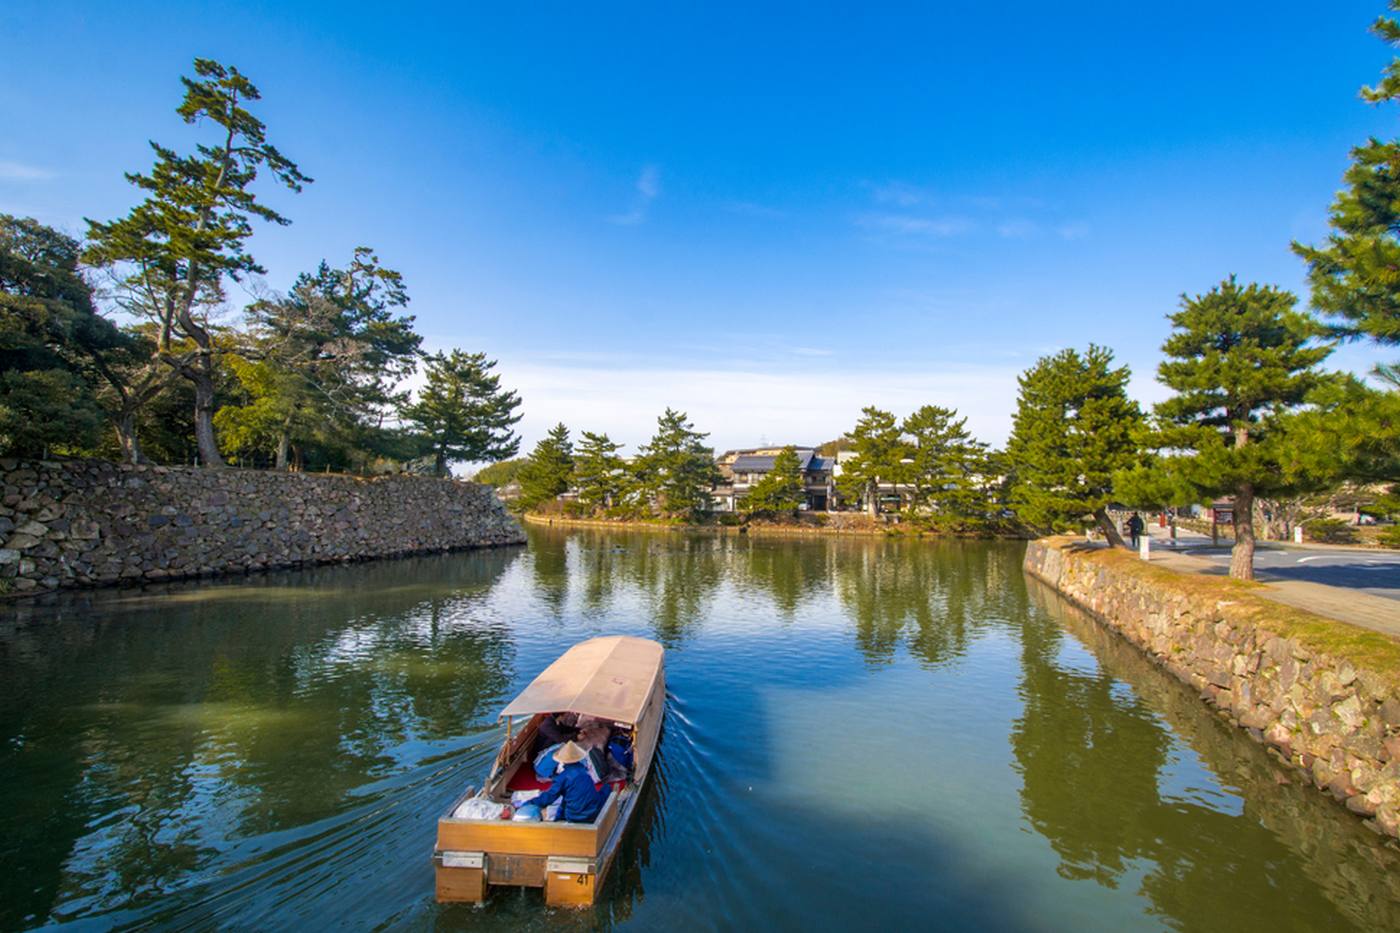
(860, 734)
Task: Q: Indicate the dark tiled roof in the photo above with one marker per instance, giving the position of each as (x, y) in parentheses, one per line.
(756, 463)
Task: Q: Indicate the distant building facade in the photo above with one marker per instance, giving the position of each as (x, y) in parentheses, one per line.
(740, 470)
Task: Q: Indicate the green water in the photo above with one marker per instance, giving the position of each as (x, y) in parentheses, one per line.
(860, 734)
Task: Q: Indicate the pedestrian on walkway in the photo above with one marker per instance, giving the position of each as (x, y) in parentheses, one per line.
(1135, 527)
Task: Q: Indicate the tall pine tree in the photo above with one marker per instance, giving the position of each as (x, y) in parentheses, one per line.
(462, 412)
(1074, 428)
(675, 470)
(600, 475)
(879, 450)
(1240, 360)
(946, 470)
(548, 469)
(175, 248)
(1353, 276)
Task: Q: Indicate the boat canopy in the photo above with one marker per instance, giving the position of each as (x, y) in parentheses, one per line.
(610, 678)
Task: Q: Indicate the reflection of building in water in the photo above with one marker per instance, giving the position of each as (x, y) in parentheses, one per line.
(1096, 762)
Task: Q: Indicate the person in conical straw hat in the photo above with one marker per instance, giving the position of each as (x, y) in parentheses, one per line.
(582, 799)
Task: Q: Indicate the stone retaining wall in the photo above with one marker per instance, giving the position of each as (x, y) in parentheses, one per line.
(1321, 713)
(83, 523)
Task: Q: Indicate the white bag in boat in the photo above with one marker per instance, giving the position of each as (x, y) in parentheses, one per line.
(478, 808)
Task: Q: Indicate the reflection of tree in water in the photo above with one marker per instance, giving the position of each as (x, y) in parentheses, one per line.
(932, 597)
(1091, 755)
(784, 571)
(549, 561)
(262, 703)
(678, 582)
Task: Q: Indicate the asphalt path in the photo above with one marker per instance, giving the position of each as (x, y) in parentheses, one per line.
(1374, 572)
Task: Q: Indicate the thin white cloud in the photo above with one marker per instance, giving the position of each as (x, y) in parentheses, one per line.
(1016, 229)
(751, 209)
(648, 188)
(19, 171)
(1073, 231)
(899, 193)
(811, 403)
(914, 225)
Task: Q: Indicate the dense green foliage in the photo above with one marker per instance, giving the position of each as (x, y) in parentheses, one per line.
(548, 470)
(322, 366)
(462, 412)
(879, 448)
(1239, 360)
(1074, 428)
(947, 469)
(500, 473)
(1353, 276)
(675, 471)
(781, 488)
(53, 343)
(600, 475)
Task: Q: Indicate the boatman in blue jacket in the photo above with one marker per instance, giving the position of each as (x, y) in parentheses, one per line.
(582, 798)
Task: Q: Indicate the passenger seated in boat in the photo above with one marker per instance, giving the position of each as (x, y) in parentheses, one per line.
(582, 799)
(554, 729)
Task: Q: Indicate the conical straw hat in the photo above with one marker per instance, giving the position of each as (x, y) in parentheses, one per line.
(569, 753)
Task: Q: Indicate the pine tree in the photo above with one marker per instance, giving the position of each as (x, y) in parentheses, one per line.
(1240, 360)
(548, 469)
(1074, 428)
(675, 470)
(600, 475)
(176, 247)
(1356, 431)
(946, 469)
(781, 489)
(324, 362)
(879, 454)
(462, 412)
(1353, 277)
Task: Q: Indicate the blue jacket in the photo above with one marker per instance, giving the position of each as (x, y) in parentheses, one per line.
(581, 800)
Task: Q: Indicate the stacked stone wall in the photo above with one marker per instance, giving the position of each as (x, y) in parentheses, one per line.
(1335, 721)
(86, 523)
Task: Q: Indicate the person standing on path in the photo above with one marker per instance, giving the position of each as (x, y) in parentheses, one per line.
(1135, 527)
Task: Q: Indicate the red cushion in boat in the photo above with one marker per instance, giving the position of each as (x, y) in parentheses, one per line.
(525, 778)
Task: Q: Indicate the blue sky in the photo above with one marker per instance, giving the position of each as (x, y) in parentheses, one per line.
(768, 219)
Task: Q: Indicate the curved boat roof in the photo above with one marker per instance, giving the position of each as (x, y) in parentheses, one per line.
(609, 677)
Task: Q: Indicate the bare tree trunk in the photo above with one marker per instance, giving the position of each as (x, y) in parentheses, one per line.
(283, 444)
(126, 438)
(202, 377)
(1109, 529)
(872, 500)
(1242, 554)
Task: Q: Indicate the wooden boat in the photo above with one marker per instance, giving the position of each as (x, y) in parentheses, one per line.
(617, 679)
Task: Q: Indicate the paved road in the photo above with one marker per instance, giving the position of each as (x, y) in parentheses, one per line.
(1374, 572)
